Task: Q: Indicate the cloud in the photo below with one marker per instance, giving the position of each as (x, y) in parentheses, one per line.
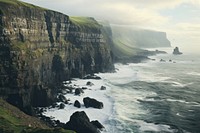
(181, 20)
(126, 12)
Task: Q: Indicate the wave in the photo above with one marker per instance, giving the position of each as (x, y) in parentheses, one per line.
(102, 115)
(194, 73)
(183, 101)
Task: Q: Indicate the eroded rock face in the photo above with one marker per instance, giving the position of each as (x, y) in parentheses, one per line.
(40, 48)
(80, 123)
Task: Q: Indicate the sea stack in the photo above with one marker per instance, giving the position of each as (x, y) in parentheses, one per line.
(176, 51)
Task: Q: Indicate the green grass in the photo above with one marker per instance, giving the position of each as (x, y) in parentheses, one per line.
(85, 22)
(12, 120)
(126, 50)
(9, 123)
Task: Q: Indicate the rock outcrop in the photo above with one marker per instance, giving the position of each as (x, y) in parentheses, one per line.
(176, 51)
(90, 102)
(40, 48)
(80, 123)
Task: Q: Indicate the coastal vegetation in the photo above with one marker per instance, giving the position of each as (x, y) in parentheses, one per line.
(12, 120)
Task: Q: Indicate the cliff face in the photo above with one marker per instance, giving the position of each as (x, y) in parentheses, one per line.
(139, 38)
(40, 48)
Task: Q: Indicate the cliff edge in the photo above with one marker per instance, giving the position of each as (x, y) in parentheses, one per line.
(40, 48)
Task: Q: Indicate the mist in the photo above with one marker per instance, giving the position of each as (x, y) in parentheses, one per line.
(180, 19)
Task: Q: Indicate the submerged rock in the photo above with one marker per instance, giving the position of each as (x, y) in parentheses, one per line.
(176, 51)
(90, 102)
(161, 60)
(80, 123)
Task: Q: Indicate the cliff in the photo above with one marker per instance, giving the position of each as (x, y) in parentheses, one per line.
(126, 49)
(140, 38)
(40, 48)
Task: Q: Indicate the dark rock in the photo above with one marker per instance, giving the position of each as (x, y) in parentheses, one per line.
(77, 104)
(84, 88)
(176, 51)
(62, 106)
(80, 123)
(89, 83)
(97, 124)
(62, 98)
(78, 91)
(160, 52)
(91, 76)
(103, 88)
(170, 60)
(90, 102)
(54, 105)
(161, 60)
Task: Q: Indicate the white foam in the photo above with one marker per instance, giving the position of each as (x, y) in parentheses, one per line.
(183, 101)
(144, 126)
(102, 115)
(194, 73)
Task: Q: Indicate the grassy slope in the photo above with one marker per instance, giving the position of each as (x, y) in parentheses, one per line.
(85, 22)
(13, 120)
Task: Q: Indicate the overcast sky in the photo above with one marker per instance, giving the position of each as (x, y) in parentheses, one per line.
(179, 18)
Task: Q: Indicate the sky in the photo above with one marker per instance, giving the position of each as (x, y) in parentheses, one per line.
(180, 19)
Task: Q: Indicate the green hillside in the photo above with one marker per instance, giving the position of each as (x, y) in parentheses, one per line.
(12, 120)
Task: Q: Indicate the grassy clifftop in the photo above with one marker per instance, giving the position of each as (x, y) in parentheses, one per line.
(85, 22)
(12, 120)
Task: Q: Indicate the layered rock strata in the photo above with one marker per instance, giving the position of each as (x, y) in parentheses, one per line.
(40, 48)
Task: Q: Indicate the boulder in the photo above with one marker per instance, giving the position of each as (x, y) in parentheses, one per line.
(62, 106)
(176, 51)
(97, 124)
(89, 83)
(77, 104)
(62, 98)
(103, 88)
(90, 102)
(80, 123)
(78, 91)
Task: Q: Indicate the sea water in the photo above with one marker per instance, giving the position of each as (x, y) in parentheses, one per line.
(148, 97)
(157, 97)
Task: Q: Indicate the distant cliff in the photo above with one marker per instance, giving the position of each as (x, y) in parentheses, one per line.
(127, 43)
(140, 38)
(40, 48)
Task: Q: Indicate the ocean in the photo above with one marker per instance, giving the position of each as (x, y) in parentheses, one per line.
(157, 97)
(148, 97)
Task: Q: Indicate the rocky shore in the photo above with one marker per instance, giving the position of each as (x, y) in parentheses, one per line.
(81, 105)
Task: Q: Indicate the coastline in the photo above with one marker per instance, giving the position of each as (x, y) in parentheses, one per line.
(105, 116)
(94, 91)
